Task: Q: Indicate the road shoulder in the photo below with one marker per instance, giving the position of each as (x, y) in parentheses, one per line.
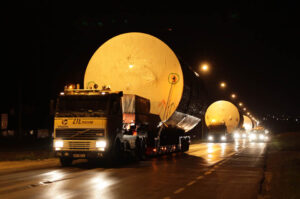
(16, 166)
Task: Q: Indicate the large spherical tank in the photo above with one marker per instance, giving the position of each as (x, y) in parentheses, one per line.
(247, 124)
(141, 64)
(223, 112)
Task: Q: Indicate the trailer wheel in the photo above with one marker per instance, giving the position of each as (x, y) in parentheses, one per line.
(66, 161)
(185, 145)
(140, 149)
(118, 151)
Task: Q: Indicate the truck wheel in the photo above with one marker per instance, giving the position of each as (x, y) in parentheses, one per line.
(66, 161)
(185, 146)
(118, 151)
(140, 149)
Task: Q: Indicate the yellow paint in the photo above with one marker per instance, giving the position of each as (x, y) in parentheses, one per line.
(80, 122)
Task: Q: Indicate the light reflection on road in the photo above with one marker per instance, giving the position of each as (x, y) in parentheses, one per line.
(65, 183)
(53, 176)
(214, 152)
(99, 183)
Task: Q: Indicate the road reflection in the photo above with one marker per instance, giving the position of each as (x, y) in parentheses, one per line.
(52, 176)
(89, 181)
(99, 185)
(214, 152)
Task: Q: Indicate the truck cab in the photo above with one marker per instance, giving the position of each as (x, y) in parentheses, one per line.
(86, 124)
(217, 133)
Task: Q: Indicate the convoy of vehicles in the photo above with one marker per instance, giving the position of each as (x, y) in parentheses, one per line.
(259, 134)
(158, 108)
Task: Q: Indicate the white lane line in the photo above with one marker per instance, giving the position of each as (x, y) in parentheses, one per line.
(168, 197)
(207, 173)
(200, 177)
(178, 190)
(192, 182)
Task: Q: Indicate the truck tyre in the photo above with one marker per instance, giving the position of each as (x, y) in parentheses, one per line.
(66, 161)
(140, 149)
(118, 151)
(185, 145)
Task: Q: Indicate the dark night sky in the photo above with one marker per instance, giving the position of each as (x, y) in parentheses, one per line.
(252, 46)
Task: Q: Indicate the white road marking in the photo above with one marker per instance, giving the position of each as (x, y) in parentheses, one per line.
(207, 173)
(178, 190)
(192, 182)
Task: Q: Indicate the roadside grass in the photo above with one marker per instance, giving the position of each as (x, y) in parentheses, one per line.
(282, 174)
(26, 149)
(286, 142)
(25, 155)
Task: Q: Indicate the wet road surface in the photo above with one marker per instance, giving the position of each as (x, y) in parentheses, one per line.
(207, 170)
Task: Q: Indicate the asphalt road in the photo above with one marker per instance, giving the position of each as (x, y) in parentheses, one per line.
(207, 170)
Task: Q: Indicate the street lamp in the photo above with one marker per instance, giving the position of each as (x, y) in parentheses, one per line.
(240, 104)
(244, 109)
(222, 84)
(233, 96)
(204, 68)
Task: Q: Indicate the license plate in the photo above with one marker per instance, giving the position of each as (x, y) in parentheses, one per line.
(79, 155)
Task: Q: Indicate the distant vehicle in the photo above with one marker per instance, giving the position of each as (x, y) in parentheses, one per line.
(259, 134)
(240, 134)
(91, 124)
(218, 133)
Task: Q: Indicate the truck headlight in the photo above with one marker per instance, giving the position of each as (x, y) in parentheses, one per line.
(101, 144)
(223, 138)
(266, 131)
(261, 137)
(236, 135)
(58, 143)
(210, 138)
(244, 135)
(252, 136)
(266, 138)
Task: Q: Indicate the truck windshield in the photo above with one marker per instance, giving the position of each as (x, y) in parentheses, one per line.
(79, 103)
(218, 128)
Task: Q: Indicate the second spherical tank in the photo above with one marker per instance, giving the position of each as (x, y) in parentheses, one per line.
(222, 112)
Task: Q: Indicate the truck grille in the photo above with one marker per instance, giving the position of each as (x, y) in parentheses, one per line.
(79, 145)
(79, 134)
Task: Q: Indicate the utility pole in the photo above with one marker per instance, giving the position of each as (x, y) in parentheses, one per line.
(20, 111)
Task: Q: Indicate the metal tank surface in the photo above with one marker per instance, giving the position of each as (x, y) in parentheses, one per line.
(141, 64)
(247, 124)
(194, 101)
(223, 112)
